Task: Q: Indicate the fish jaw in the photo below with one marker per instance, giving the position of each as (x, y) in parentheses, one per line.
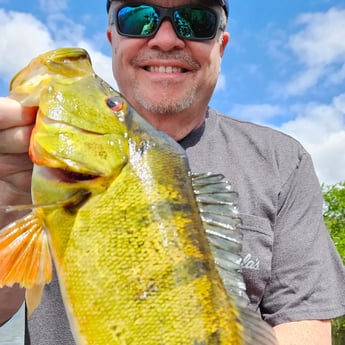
(27, 84)
(58, 145)
(75, 130)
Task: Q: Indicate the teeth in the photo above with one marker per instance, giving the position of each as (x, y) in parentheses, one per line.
(164, 69)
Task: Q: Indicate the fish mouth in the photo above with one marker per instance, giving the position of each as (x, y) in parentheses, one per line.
(65, 175)
(72, 176)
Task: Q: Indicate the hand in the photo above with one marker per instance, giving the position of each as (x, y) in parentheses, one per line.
(11, 298)
(16, 123)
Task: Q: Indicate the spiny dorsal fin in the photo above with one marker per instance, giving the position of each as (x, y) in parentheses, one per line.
(217, 206)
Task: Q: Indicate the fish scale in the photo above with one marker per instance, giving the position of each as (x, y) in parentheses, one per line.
(145, 251)
(162, 283)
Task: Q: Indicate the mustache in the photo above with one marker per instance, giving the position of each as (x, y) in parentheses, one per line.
(180, 56)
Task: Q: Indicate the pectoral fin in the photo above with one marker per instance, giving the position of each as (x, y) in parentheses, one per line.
(24, 253)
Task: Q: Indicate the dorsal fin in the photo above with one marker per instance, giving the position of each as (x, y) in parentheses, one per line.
(218, 211)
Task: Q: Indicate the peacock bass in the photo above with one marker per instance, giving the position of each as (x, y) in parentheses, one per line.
(145, 251)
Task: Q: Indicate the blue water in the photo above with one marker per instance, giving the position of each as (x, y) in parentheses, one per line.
(12, 333)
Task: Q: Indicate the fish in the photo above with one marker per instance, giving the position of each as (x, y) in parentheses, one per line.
(146, 251)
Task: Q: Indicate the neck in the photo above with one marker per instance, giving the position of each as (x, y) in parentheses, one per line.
(177, 125)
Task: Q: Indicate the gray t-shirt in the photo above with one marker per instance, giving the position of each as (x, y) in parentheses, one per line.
(290, 265)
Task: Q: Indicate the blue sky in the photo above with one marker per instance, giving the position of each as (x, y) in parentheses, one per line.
(284, 66)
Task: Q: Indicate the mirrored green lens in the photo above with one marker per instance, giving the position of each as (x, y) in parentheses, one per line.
(195, 23)
(189, 23)
(137, 20)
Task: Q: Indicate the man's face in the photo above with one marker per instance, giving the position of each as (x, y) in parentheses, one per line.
(165, 74)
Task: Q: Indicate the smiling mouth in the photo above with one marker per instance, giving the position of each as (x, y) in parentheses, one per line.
(165, 69)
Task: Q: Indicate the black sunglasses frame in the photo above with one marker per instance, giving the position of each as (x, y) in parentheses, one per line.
(166, 13)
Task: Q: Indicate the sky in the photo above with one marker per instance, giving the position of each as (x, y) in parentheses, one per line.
(284, 66)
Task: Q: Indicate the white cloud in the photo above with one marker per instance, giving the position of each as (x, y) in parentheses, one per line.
(321, 41)
(101, 63)
(63, 29)
(303, 81)
(258, 113)
(317, 54)
(53, 6)
(319, 45)
(337, 77)
(321, 129)
(22, 37)
(16, 52)
(221, 82)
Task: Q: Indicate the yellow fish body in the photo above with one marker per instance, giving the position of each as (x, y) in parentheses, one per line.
(116, 206)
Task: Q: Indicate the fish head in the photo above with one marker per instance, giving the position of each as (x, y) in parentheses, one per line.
(76, 131)
(77, 141)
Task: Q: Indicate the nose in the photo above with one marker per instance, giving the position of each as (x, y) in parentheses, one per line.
(166, 38)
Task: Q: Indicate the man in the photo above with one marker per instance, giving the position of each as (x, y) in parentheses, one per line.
(168, 69)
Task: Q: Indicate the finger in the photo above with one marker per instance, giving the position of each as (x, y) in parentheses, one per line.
(10, 195)
(15, 140)
(20, 180)
(12, 114)
(16, 170)
(14, 163)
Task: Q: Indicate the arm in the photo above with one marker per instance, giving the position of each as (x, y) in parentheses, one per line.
(307, 281)
(311, 332)
(15, 179)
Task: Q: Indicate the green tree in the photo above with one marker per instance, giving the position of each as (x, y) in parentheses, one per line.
(334, 216)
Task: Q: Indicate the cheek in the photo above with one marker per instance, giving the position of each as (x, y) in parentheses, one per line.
(123, 71)
(210, 69)
(208, 55)
(215, 59)
(120, 59)
(124, 50)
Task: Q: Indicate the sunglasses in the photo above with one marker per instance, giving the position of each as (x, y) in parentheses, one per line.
(189, 22)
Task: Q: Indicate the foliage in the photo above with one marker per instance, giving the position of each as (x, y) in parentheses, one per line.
(334, 216)
(338, 331)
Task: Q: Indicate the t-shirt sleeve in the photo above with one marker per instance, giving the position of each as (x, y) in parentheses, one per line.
(307, 279)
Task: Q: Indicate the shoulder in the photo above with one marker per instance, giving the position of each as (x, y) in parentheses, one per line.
(253, 132)
(256, 141)
(248, 153)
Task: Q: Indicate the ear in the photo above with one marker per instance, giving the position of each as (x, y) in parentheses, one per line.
(224, 42)
(109, 35)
